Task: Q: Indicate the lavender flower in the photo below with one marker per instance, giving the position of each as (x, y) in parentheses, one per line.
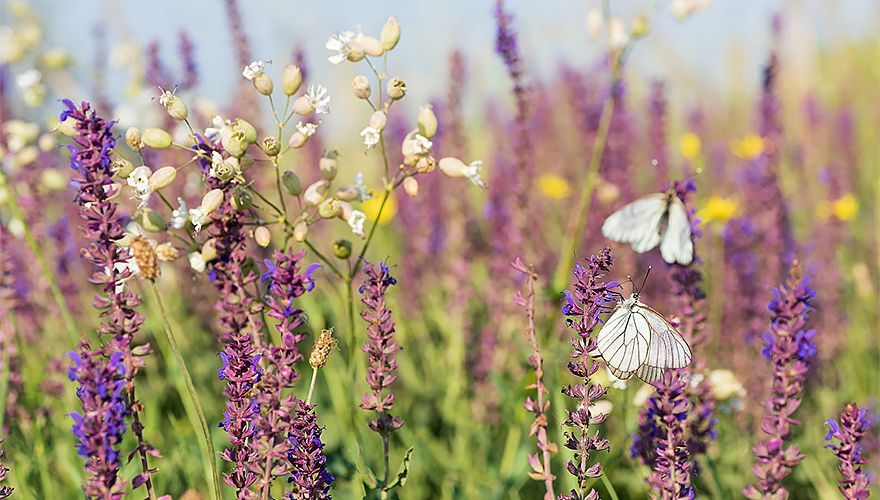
(590, 296)
(657, 110)
(286, 282)
(845, 441)
(789, 347)
(672, 467)
(310, 478)
(190, 68)
(101, 425)
(381, 348)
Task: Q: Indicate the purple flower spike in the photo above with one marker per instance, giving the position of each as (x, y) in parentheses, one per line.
(310, 478)
(672, 467)
(845, 441)
(790, 348)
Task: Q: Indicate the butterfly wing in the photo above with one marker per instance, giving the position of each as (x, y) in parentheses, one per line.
(667, 348)
(676, 245)
(623, 341)
(637, 223)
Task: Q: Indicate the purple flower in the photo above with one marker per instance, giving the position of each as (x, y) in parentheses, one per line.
(5, 491)
(187, 53)
(590, 296)
(790, 350)
(381, 348)
(101, 425)
(672, 466)
(310, 478)
(845, 441)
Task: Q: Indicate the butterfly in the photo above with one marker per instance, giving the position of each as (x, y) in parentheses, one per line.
(659, 218)
(638, 339)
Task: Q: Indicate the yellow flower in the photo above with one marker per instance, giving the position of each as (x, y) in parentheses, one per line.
(553, 186)
(371, 208)
(690, 146)
(845, 208)
(718, 209)
(749, 147)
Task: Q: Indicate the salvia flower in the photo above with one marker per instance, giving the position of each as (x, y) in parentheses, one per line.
(845, 441)
(590, 296)
(381, 348)
(790, 348)
(309, 477)
(101, 425)
(672, 466)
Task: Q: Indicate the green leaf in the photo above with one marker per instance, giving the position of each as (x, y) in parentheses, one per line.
(369, 479)
(402, 472)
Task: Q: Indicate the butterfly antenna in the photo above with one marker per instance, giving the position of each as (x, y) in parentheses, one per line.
(645, 280)
(631, 283)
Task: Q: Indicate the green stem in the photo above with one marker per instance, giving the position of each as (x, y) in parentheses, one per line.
(325, 260)
(609, 487)
(60, 301)
(207, 444)
(357, 263)
(312, 385)
(260, 195)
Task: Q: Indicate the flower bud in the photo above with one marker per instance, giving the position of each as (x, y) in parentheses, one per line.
(133, 138)
(291, 183)
(316, 193)
(396, 88)
(262, 236)
(360, 86)
(247, 130)
(378, 120)
(174, 106)
(156, 138)
(209, 250)
(390, 33)
(427, 121)
(302, 106)
(150, 220)
(271, 146)
(347, 193)
(300, 231)
(212, 200)
(297, 140)
(242, 200)
(329, 208)
(291, 79)
(411, 186)
(263, 84)
(342, 249)
(370, 45)
(121, 167)
(162, 177)
(453, 167)
(328, 165)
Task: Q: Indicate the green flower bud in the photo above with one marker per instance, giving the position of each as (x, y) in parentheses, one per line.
(250, 133)
(263, 84)
(242, 200)
(390, 33)
(262, 236)
(163, 177)
(271, 146)
(427, 121)
(291, 183)
(360, 86)
(329, 208)
(174, 106)
(121, 167)
(156, 138)
(291, 79)
(342, 249)
(150, 220)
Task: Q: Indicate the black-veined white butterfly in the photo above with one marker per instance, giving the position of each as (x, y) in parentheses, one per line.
(638, 340)
(659, 218)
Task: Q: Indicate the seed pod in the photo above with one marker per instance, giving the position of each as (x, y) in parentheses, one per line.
(175, 107)
(300, 231)
(263, 84)
(291, 79)
(262, 236)
(248, 130)
(121, 167)
(271, 146)
(150, 220)
(329, 208)
(390, 33)
(162, 177)
(411, 186)
(209, 250)
(427, 121)
(328, 165)
(133, 138)
(453, 167)
(360, 86)
(242, 200)
(342, 249)
(396, 88)
(291, 182)
(156, 138)
(145, 256)
(212, 201)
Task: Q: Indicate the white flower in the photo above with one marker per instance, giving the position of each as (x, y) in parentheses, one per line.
(363, 192)
(217, 125)
(179, 215)
(139, 180)
(356, 221)
(307, 129)
(216, 164)
(341, 44)
(120, 267)
(472, 172)
(165, 97)
(28, 79)
(420, 145)
(617, 35)
(319, 98)
(197, 262)
(198, 217)
(371, 137)
(253, 70)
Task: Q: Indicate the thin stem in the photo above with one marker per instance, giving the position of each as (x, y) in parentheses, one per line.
(360, 258)
(138, 429)
(278, 186)
(312, 385)
(260, 195)
(60, 301)
(207, 443)
(386, 448)
(325, 260)
(609, 487)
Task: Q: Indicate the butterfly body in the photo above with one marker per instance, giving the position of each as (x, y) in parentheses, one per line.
(652, 220)
(638, 340)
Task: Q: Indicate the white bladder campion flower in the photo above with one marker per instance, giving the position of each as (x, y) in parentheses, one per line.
(341, 44)
(371, 137)
(453, 167)
(307, 129)
(179, 215)
(129, 265)
(419, 145)
(217, 125)
(198, 217)
(139, 181)
(319, 98)
(472, 172)
(197, 262)
(253, 70)
(356, 221)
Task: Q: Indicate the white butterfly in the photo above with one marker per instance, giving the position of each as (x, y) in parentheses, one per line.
(659, 218)
(637, 339)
